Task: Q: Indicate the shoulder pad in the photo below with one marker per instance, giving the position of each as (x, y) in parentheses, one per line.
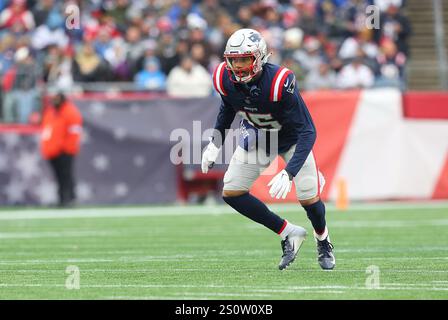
(218, 78)
(278, 82)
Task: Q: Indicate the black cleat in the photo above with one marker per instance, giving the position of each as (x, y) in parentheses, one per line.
(325, 255)
(291, 246)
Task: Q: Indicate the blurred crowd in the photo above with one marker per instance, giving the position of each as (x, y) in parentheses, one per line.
(173, 46)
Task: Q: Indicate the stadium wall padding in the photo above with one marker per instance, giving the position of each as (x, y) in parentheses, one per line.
(383, 144)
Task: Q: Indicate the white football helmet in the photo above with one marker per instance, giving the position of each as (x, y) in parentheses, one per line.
(246, 43)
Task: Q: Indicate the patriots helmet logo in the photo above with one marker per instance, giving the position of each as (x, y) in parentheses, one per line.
(255, 38)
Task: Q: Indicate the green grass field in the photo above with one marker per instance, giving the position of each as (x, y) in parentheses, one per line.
(211, 252)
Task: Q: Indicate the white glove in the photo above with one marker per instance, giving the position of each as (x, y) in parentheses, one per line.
(209, 157)
(280, 185)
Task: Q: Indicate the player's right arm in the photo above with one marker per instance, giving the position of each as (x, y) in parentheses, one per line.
(224, 120)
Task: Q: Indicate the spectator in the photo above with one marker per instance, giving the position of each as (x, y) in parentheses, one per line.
(383, 5)
(7, 74)
(21, 100)
(390, 66)
(363, 41)
(322, 79)
(47, 12)
(88, 66)
(170, 52)
(198, 28)
(331, 53)
(60, 144)
(42, 10)
(295, 67)
(17, 18)
(105, 23)
(57, 68)
(292, 40)
(102, 42)
(396, 27)
(189, 79)
(135, 50)
(311, 57)
(151, 78)
(116, 56)
(355, 15)
(7, 50)
(307, 20)
(119, 13)
(331, 19)
(182, 8)
(199, 55)
(51, 30)
(355, 75)
(245, 16)
(210, 10)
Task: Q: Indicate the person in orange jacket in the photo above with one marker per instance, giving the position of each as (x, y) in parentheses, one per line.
(60, 144)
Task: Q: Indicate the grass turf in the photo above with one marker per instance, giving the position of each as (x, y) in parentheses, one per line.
(214, 253)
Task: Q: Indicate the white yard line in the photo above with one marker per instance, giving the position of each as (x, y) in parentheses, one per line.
(178, 210)
(58, 234)
(423, 284)
(145, 298)
(45, 261)
(156, 298)
(199, 296)
(112, 212)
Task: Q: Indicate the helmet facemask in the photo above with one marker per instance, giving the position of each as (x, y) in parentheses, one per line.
(244, 74)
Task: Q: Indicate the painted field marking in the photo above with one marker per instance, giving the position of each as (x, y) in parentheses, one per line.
(156, 211)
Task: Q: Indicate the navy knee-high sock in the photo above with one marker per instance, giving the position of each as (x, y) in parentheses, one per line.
(256, 210)
(316, 214)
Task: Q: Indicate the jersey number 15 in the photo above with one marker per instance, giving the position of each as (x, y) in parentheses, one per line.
(261, 120)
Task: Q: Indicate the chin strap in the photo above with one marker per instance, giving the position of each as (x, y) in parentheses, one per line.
(267, 57)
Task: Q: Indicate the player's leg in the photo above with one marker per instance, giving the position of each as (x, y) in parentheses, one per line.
(309, 183)
(55, 164)
(239, 177)
(68, 191)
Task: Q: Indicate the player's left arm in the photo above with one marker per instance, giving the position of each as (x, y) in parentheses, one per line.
(298, 113)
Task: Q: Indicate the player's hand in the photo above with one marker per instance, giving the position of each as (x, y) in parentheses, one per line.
(280, 185)
(209, 157)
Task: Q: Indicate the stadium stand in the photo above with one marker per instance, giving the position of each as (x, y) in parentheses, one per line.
(115, 40)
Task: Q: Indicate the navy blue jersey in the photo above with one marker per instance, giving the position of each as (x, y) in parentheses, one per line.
(271, 102)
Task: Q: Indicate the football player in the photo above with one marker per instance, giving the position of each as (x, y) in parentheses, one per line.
(266, 97)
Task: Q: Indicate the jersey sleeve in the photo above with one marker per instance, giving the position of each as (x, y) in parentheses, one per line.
(223, 122)
(218, 79)
(298, 114)
(226, 113)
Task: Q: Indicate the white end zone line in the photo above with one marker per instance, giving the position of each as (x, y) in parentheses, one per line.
(182, 210)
